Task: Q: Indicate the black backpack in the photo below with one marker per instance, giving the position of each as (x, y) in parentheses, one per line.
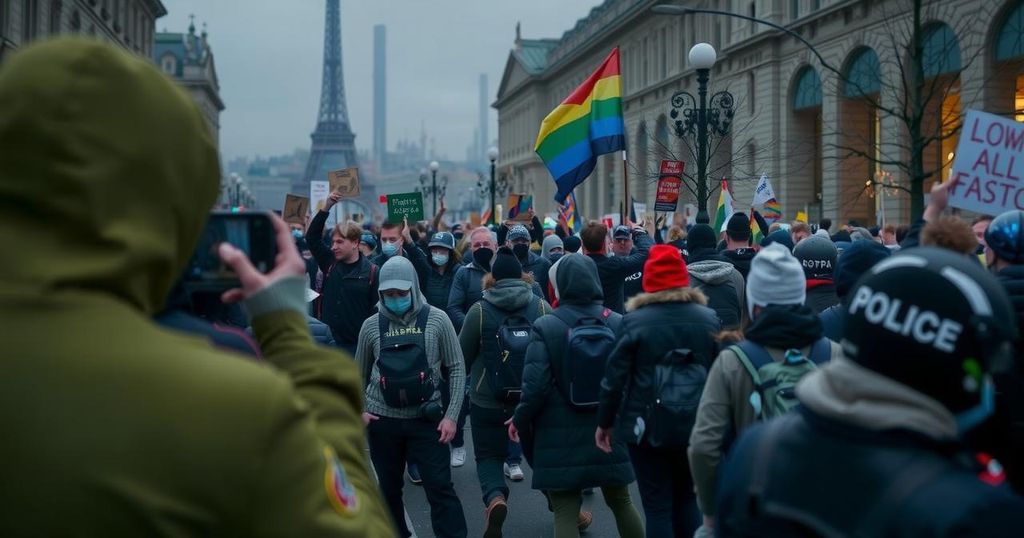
(505, 355)
(589, 342)
(405, 377)
(679, 380)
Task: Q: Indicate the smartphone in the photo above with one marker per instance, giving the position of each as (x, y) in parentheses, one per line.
(251, 232)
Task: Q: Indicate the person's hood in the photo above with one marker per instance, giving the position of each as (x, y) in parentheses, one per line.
(400, 268)
(671, 295)
(576, 280)
(108, 173)
(711, 272)
(847, 392)
(509, 294)
(703, 254)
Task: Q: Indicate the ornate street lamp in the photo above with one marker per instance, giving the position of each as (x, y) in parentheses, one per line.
(492, 154)
(702, 117)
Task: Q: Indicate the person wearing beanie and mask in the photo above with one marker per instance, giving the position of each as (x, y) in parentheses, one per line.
(467, 287)
(854, 262)
(876, 446)
(818, 255)
(668, 317)
(552, 248)
(349, 284)
(737, 243)
(558, 437)
(518, 240)
(718, 279)
(401, 351)
(499, 323)
(783, 331)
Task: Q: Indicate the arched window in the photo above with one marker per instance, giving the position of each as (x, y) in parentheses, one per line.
(863, 74)
(751, 92)
(808, 89)
(1010, 39)
(941, 51)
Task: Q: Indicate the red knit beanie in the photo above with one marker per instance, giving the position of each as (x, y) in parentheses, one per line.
(665, 269)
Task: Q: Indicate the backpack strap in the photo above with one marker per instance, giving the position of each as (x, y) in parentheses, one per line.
(382, 325)
(422, 317)
(821, 351)
(753, 357)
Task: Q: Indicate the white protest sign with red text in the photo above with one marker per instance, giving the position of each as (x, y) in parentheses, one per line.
(988, 172)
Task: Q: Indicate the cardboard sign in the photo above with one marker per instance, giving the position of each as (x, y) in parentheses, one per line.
(474, 219)
(639, 211)
(295, 209)
(669, 183)
(345, 181)
(403, 205)
(519, 206)
(318, 193)
(988, 172)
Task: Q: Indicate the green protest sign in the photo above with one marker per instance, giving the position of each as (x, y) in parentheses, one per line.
(409, 204)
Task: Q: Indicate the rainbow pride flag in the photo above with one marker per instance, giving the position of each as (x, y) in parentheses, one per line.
(772, 210)
(756, 234)
(725, 207)
(570, 214)
(586, 124)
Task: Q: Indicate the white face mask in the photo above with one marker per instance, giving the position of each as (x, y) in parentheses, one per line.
(439, 259)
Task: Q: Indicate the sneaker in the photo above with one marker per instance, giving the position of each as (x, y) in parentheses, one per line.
(494, 517)
(513, 472)
(458, 456)
(584, 520)
(414, 475)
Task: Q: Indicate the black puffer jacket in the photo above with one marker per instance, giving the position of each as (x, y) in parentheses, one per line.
(821, 294)
(558, 439)
(722, 284)
(615, 269)
(656, 324)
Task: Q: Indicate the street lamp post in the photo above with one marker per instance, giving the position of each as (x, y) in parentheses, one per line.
(238, 190)
(701, 119)
(434, 165)
(492, 154)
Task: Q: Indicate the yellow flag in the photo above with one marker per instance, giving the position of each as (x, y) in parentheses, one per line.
(801, 217)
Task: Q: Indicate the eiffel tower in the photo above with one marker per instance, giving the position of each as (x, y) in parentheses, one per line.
(333, 140)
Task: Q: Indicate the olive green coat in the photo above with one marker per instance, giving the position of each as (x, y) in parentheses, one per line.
(111, 425)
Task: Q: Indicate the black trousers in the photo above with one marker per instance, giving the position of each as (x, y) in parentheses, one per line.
(392, 442)
(666, 490)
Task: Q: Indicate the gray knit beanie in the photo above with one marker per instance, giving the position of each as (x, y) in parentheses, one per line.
(550, 242)
(776, 278)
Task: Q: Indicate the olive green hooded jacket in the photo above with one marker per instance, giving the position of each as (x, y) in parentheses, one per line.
(112, 426)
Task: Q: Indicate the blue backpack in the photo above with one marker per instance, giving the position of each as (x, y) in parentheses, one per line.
(589, 342)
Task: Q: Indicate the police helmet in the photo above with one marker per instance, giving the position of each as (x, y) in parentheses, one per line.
(1005, 236)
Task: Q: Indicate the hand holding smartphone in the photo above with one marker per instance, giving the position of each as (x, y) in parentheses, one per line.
(251, 233)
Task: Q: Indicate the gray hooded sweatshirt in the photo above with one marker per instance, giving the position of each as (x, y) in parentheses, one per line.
(442, 346)
(716, 278)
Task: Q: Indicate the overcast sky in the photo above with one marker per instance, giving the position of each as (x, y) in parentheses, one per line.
(269, 55)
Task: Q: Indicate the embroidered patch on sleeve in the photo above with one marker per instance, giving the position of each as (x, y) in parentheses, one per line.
(339, 490)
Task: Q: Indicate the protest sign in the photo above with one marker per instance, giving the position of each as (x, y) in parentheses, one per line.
(295, 209)
(639, 211)
(474, 219)
(611, 220)
(987, 173)
(669, 183)
(318, 193)
(519, 206)
(403, 205)
(345, 181)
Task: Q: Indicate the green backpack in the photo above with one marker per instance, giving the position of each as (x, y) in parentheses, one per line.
(775, 382)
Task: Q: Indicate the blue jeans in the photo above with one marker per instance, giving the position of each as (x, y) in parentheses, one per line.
(666, 490)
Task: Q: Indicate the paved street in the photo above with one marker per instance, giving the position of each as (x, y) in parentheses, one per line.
(528, 514)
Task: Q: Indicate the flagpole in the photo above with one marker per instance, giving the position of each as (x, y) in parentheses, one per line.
(625, 188)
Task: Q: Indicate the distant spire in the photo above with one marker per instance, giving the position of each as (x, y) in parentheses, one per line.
(204, 34)
(519, 35)
(192, 24)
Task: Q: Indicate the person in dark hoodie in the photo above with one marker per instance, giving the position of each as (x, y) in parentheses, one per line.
(737, 243)
(437, 272)
(854, 262)
(783, 328)
(876, 447)
(668, 317)
(508, 300)
(519, 241)
(718, 279)
(349, 289)
(560, 445)
(405, 420)
(613, 270)
(817, 255)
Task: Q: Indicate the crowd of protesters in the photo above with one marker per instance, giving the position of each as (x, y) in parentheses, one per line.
(826, 381)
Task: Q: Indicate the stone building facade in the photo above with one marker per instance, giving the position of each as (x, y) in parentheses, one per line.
(829, 135)
(129, 23)
(188, 59)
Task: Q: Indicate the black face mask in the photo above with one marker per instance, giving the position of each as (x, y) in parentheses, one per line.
(482, 257)
(522, 251)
